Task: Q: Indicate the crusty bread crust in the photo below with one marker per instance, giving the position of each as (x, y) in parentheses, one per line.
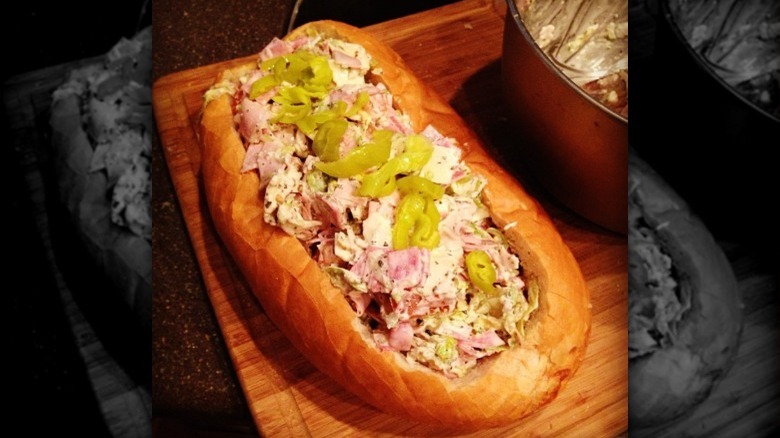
(669, 382)
(300, 299)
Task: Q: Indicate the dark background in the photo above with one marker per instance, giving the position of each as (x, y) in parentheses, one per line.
(712, 147)
(46, 373)
(719, 154)
(39, 33)
(47, 376)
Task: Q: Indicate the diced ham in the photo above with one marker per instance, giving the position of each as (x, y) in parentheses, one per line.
(329, 211)
(459, 173)
(361, 267)
(254, 118)
(380, 106)
(348, 93)
(294, 217)
(481, 341)
(395, 123)
(247, 87)
(346, 191)
(377, 228)
(386, 271)
(265, 158)
(349, 140)
(298, 42)
(370, 267)
(268, 164)
(275, 48)
(472, 241)
(333, 208)
(379, 100)
(436, 138)
(252, 157)
(400, 337)
(278, 47)
(408, 267)
(456, 225)
(505, 263)
(345, 60)
(360, 301)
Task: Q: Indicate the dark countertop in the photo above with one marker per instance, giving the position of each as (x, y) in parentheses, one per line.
(48, 369)
(194, 383)
(193, 378)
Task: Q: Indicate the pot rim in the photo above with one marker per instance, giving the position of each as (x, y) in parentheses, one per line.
(513, 11)
(704, 63)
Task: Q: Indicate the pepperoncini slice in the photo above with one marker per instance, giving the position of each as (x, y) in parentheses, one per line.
(426, 228)
(418, 184)
(295, 71)
(321, 73)
(409, 209)
(360, 102)
(311, 122)
(328, 138)
(302, 76)
(293, 96)
(361, 158)
(481, 271)
(381, 182)
(290, 113)
(275, 65)
(416, 223)
(300, 68)
(417, 152)
(262, 85)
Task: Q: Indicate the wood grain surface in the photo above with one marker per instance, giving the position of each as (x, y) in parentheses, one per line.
(456, 50)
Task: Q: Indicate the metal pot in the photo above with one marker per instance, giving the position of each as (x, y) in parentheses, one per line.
(574, 146)
(711, 144)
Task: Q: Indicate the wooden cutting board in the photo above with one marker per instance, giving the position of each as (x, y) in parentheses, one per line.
(455, 49)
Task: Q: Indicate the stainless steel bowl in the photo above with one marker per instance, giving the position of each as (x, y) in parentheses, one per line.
(576, 147)
(736, 43)
(714, 146)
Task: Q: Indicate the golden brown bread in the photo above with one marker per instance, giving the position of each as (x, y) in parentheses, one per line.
(669, 382)
(300, 299)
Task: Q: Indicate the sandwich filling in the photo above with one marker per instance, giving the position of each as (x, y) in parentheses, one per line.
(115, 99)
(658, 298)
(393, 216)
